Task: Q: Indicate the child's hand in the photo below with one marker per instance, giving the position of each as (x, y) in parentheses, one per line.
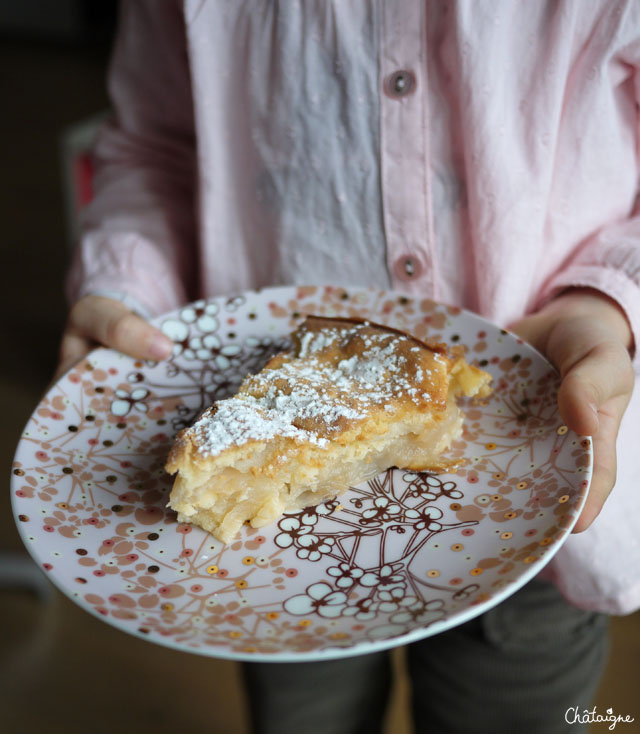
(95, 321)
(587, 337)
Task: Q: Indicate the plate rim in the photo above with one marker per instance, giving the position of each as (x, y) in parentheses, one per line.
(330, 652)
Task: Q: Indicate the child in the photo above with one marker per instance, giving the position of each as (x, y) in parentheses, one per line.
(479, 153)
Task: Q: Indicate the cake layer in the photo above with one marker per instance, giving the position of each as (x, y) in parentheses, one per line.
(347, 401)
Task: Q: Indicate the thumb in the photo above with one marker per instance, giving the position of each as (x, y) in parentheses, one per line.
(592, 399)
(593, 374)
(112, 324)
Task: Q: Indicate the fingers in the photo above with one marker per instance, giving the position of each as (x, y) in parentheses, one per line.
(94, 320)
(533, 330)
(588, 342)
(604, 461)
(72, 349)
(594, 393)
(603, 374)
(591, 381)
(111, 323)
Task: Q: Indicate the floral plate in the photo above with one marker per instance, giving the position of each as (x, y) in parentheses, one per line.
(394, 560)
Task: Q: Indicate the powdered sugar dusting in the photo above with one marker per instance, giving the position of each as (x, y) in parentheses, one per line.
(239, 420)
(331, 380)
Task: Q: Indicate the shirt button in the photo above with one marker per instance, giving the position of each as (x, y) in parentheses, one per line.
(400, 83)
(408, 267)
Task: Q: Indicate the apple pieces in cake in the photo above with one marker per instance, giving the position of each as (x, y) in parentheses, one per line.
(347, 401)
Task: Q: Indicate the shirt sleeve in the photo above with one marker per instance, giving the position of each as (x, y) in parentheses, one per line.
(138, 233)
(609, 262)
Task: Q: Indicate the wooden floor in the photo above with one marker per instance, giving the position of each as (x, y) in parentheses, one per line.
(60, 669)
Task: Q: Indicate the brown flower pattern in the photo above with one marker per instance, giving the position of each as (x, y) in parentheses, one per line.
(400, 557)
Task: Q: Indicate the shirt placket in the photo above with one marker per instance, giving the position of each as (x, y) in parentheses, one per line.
(404, 146)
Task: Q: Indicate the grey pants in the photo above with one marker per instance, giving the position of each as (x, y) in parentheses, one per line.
(514, 670)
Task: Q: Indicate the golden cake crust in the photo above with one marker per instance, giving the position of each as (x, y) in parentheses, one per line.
(341, 393)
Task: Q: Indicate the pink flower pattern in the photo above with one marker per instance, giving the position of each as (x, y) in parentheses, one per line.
(90, 494)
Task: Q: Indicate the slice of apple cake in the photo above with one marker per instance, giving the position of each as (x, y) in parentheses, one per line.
(348, 400)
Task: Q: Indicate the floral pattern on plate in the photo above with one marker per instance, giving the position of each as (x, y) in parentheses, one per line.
(396, 559)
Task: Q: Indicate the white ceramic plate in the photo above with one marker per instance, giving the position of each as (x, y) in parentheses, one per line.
(397, 559)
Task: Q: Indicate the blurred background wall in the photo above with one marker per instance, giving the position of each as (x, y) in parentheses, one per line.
(53, 55)
(60, 669)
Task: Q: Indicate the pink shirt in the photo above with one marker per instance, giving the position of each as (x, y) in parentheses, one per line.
(480, 153)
